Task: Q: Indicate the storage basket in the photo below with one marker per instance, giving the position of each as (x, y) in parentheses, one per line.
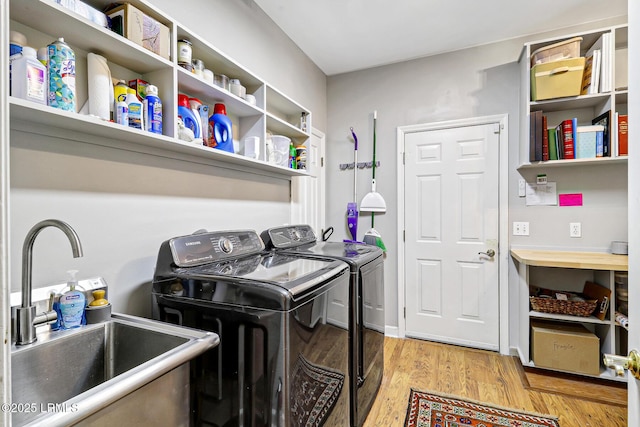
(566, 49)
(556, 306)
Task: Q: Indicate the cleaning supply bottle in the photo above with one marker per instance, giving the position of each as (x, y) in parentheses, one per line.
(121, 113)
(136, 119)
(220, 129)
(292, 157)
(188, 117)
(29, 77)
(153, 110)
(72, 303)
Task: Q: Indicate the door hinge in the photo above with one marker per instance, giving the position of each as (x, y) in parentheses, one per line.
(321, 161)
(404, 158)
(497, 127)
(404, 235)
(405, 312)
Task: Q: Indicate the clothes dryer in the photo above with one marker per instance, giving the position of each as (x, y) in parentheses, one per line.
(366, 265)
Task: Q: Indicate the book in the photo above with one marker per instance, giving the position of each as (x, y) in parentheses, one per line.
(596, 68)
(623, 135)
(535, 136)
(595, 72)
(545, 140)
(559, 141)
(599, 144)
(587, 76)
(532, 136)
(574, 129)
(567, 139)
(553, 148)
(607, 63)
(604, 119)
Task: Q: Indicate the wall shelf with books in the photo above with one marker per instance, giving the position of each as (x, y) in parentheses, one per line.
(573, 90)
(573, 162)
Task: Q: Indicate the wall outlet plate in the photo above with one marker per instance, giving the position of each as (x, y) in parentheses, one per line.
(575, 229)
(520, 228)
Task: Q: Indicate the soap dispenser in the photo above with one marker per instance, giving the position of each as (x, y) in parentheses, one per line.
(72, 304)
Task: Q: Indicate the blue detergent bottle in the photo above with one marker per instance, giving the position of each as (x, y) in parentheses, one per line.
(220, 126)
(188, 118)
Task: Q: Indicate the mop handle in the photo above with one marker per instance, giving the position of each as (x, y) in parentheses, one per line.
(355, 167)
(373, 178)
(375, 117)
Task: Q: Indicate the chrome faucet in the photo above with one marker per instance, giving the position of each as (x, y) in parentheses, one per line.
(26, 319)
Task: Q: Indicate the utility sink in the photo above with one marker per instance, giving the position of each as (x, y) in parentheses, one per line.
(124, 370)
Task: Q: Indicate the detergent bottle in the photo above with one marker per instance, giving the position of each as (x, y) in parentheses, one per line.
(220, 135)
(188, 117)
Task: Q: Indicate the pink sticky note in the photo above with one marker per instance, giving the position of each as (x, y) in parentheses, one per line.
(570, 199)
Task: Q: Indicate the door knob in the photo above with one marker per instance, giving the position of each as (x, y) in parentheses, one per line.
(620, 363)
(490, 253)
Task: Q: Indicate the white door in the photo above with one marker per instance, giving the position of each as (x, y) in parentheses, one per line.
(307, 192)
(634, 207)
(451, 235)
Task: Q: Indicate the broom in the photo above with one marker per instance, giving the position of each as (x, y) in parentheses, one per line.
(373, 202)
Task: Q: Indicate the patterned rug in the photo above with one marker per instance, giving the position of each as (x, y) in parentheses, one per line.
(314, 391)
(433, 410)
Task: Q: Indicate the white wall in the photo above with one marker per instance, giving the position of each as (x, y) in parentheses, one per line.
(243, 31)
(473, 82)
(123, 205)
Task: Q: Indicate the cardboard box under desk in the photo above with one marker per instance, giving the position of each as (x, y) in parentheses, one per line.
(141, 29)
(565, 346)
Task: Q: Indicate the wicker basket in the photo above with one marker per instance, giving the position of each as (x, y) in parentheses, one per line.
(572, 308)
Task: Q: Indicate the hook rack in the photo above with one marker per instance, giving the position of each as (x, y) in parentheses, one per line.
(361, 165)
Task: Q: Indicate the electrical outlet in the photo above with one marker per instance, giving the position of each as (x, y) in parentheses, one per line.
(575, 229)
(520, 228)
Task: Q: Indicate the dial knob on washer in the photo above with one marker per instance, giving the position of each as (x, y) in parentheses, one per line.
(225, 245)
(296, 235)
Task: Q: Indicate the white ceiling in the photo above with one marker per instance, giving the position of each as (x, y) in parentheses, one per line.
(348, 35)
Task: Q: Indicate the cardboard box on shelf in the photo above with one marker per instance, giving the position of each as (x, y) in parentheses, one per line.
(141, 29)
(565, 346)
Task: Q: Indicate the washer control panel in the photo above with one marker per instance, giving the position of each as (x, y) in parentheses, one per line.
(207, 247)
(289, 236)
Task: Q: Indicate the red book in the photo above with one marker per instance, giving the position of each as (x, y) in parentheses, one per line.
(567, 133)
(623, 135)
(545, 140)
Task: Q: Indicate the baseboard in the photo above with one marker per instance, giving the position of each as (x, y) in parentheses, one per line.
(392, 331)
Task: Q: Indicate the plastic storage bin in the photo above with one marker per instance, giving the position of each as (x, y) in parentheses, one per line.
(566, 49)
(281, 145)
(557, 79)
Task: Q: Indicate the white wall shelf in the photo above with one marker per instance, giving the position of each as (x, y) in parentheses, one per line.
(43, 21)
(574, 162)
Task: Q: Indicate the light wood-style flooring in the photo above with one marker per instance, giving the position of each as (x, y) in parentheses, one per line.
(481, 376)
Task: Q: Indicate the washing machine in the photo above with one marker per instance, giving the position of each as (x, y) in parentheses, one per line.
(283, 322)
(366, 264)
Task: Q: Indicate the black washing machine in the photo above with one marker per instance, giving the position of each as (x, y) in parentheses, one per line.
(367, 287)
(283, 323)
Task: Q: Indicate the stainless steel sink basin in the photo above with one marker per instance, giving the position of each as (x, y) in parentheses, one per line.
(74, 376)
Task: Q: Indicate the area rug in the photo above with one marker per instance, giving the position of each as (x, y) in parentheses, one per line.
(433, 410)
(314, 391)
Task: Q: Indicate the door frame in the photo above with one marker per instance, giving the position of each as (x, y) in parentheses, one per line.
(501, 120)
(300, 206)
